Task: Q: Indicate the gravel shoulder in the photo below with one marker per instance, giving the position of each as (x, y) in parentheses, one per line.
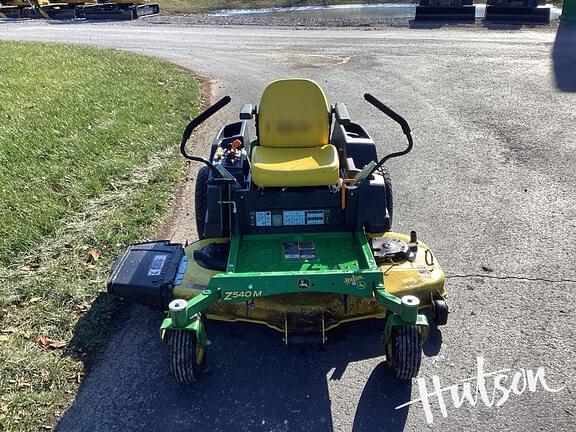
(303, 22)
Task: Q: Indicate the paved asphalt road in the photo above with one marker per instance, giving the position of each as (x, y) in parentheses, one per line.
(490, 184)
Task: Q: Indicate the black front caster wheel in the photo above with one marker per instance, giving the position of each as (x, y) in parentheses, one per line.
(187, 357)
(404, 351)
(440, 312)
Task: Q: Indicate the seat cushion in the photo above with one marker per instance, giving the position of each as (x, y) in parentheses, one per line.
(293, 113)
(286, 167)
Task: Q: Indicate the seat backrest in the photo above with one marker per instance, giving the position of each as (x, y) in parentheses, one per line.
(293, 113)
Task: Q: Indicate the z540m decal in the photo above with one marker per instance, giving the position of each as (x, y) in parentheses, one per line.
(231, 295)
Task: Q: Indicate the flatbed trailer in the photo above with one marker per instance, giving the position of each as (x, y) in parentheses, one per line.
(445, 10)
(516, 11)
(119, 10)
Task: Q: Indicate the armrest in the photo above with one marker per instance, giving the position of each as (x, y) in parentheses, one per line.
(246, 112)
(341, 113)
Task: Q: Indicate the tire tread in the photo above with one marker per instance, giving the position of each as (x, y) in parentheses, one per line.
(406, 351)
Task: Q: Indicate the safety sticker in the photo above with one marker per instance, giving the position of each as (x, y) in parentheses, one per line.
(299, 250)
(264, 218)
(157, 265)
(315, 217)
(294, 217)
(303, 217)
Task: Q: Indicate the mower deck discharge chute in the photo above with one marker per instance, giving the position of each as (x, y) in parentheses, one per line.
(445, 10)
(294, 231)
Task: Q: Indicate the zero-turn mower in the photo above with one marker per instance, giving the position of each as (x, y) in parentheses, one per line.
(294, 231)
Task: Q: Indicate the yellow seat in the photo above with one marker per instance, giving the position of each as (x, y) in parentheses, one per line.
(283, 167)
(293, 137)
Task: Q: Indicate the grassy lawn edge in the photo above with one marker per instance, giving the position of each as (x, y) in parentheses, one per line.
(55, 317)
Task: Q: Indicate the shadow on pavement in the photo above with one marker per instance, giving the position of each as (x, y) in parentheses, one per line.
(377, 406)
(413, 24)
(253, 383)
(433, 344)
(93, 329)
(564, 58)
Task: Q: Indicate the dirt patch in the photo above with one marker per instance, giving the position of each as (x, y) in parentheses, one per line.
(314, 61)
(179, 225)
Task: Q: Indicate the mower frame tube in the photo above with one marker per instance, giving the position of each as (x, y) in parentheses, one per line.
(231, 287)
(394, 320)
(188, 317)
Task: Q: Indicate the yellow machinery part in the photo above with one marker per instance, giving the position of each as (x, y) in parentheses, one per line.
(293, 113)
(293, 167)
(423, 278)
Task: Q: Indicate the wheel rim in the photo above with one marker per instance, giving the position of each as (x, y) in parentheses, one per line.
(199, 354)
(389, 356)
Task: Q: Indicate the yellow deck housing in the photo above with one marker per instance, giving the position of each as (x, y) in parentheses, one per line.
(423, 278)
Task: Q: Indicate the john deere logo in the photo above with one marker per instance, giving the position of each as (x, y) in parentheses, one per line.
(303, 284)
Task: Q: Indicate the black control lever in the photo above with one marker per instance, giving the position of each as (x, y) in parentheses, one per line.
(194, 124)
(398, 119)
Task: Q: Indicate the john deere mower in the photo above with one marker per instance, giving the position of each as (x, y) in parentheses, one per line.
(294, 231)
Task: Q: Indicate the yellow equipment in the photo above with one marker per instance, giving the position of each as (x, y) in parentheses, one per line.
(71, 9)
(52, 10)
(294, 153)
(13, 8)
(119, 10)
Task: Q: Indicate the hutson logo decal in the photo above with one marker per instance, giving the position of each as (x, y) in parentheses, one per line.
(493, 389)
(303, 284)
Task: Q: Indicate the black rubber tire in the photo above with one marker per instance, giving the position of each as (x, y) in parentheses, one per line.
(389, 195)
(184, 365)
(201, 199)
(440, 312)
(404, 351)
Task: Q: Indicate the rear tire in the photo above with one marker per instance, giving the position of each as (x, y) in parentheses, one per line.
(201, 199)
(404, 351)
(187, 358)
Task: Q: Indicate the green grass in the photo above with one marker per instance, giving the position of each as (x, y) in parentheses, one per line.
(88, 163)
(71, 120)
(193, 6)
